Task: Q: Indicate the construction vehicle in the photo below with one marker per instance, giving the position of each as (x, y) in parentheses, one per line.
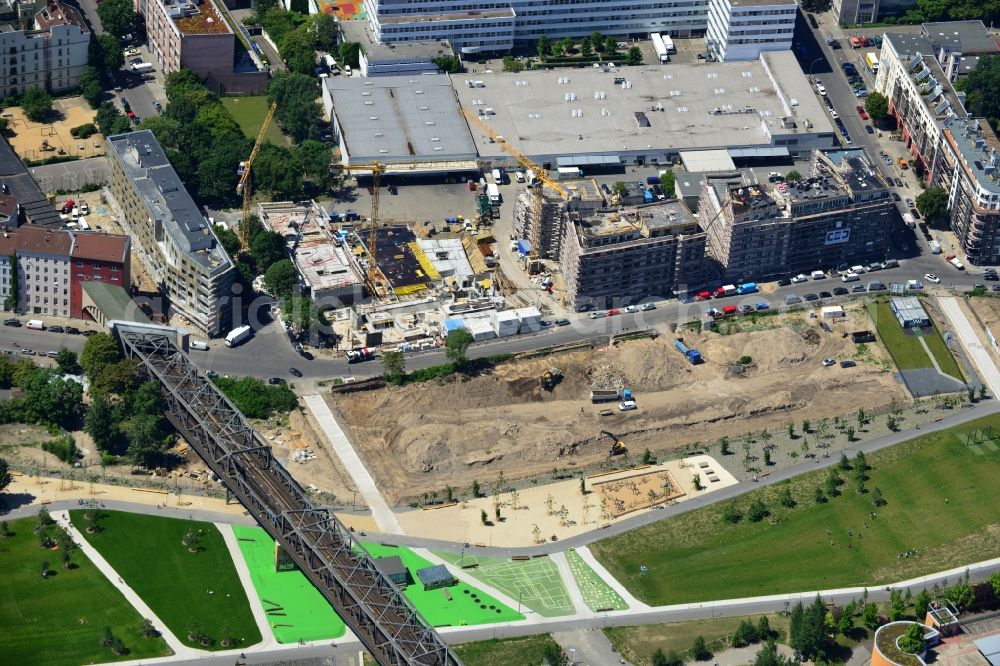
(550, 378)
(617, 445)
(610, 395)
(537, 176)
(243, 171)
(359, 355)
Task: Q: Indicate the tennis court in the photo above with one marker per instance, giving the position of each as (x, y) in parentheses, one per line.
(536, 582)
(455, 605)
(597, 594)
(295, 608)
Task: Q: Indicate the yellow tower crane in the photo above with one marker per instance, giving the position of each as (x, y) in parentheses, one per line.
(541, 175)
(372, 278)
(243, 187)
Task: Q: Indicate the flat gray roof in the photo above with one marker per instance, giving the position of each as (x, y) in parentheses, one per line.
(400, 118)
(167, 198)
(360, 31)
(990, 648)
(965, 36)
(704, 105)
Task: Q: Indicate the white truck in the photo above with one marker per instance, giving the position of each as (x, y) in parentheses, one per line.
(909, 221)
(494, 192)
(238, 335)
(954, 261)
(659, 47)
(935, 247)
(498, 176)
(141, 67)
(570, 172)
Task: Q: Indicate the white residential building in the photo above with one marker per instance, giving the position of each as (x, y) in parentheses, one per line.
(482, 26)
(743, 29)
(50, 56)
(43, 271)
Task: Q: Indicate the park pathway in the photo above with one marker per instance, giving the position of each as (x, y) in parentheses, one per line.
(180, 650)
(341, 445)
(263, 625)
(973, 346)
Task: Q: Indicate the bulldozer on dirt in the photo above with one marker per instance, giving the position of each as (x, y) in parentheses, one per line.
(550, 378)
(617, 445)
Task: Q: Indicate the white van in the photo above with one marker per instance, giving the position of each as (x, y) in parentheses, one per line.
(817, 275)
(518, 176)
(200, 345)
(36, 324)
(849, 276)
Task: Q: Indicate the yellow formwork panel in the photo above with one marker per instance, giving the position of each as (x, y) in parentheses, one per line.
(424, 262)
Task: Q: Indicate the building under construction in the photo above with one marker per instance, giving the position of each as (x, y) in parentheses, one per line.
(544, 226)
(841, 213)
(325, 267)
(621, 257)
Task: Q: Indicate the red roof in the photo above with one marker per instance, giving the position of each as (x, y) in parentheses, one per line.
(39, 239)
(99, 247)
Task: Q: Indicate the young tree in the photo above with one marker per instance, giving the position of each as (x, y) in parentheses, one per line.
(793, 176)
(610, 45)
(791, 431)
(769, 656)
(891, 424)
(767, 457)
(543, 47)
(724, 446)
(862, 417)
(833, 482)
(696, 481)
(845, 624)
(877, 499)
(912, 640)
(482, 516)
(475, 488)
(933, 205)
(67, 362)
(586, 47)
(668, 182)
(393, 365)
(45, 568)
(731, 512)
(877, 106)
(456, 344)
(511, 64)
(785, 498)
(869, 616)
(896, 606)
(699, 649)
(757, 511)
(849, 431)
(844, 463)
(923, 601)
(634, 56)
(806, 426)
(819, 496)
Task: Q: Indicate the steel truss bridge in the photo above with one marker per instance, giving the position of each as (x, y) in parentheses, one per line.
(372, 606)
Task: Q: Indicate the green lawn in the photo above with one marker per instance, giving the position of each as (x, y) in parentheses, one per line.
(467, 605)
(906, 350)
(296, 609)
(941, 501)
(249, 112)
(536, 582)
(41, 618)
(186, 590)
(637, 644)
(523, 651)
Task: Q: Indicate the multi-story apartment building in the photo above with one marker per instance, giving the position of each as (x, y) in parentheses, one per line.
(972, 150)
(920, 97)
(43, 271)
(545, 226)
(743, 29)
(625, 256)
(192, 34)
(854, 12)
(174, 240)
(485, 26)
(53, 264)
(838, 214)
(958, 45)
(51, 56)
(96, 258)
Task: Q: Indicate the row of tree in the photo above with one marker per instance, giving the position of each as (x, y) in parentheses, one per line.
(297, 35)
(49, 398)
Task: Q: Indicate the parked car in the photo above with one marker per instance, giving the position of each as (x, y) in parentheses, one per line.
(274, 381)
(909, 203)
(56, 329)
(862, 112)
(868, 128)
(784, 282)
(896, 197)
(841, 291)
(847, 363)
(295, 371)
(811, 297)
(648, 306)
(72, 330)
(632, 308)
(931, 277)
(68, 207)
(84, 208)
(800, 278)
(211, 374)
(626, 406)
(828, 361)
(15, 323)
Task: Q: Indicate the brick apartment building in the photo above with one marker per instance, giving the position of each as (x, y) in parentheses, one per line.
(194, 35)
(52, 266)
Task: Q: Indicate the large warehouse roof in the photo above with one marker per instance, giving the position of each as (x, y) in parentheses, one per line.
(595, 110)
(399, 119)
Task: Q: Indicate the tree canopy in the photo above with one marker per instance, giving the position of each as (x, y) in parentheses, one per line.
(933, 205)
(267, 248)
(298, 112)
(456, 344)
(5, 476)
(256, 399)
(877, 106)
(281, 278)
(36, 104)
(982, 89)
(118, 18)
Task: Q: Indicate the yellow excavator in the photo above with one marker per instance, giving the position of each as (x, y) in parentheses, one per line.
(550, 378)
(617, 445)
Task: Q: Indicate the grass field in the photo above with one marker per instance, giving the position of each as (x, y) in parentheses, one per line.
(467, 605)
(941, 501)
(249, 112)
(906, 350)
(523, 651)
(637, 644)
(597, 594)
(186, 590)
(536, 581)
(296, 609)
(41, 618)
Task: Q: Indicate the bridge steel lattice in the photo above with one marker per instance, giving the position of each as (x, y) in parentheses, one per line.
(372, 606)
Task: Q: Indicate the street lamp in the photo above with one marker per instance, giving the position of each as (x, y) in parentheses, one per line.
(813, 64)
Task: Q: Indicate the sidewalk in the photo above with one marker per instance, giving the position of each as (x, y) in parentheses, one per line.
(973, 346)
(381, 512)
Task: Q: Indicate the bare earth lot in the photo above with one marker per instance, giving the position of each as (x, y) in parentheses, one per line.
(420, 438)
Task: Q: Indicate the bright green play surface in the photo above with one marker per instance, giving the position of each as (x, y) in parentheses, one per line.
(467, 605)
(295, 608)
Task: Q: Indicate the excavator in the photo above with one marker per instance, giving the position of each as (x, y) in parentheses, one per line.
(550, 378)
(617, 445)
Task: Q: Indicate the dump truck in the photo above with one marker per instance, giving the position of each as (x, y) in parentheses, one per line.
(359, 355)
(238, 335)
(725, 290)
(693, 355)
(610, 395)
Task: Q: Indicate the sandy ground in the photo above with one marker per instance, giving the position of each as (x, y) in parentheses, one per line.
(418, 439)
(26, 136)
(987, 309)
(521, 512)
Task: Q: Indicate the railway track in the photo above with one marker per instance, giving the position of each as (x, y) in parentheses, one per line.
(372, 606)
